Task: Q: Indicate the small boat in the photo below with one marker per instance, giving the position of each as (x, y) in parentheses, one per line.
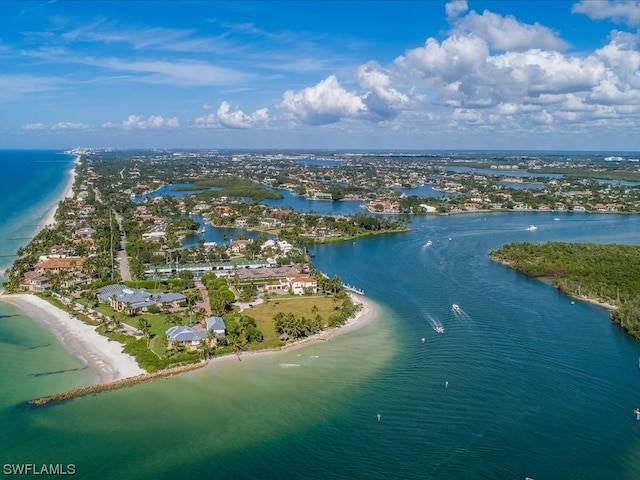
(455, 307)
(440, 329)
(532, 228)
(428, 244)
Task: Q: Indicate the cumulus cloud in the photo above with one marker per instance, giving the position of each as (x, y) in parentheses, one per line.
(455, 8)
(382, 99)
(620, 11)
(462, 71)
(137, 122)
(324, 103)
(225, 117)
(507, 33)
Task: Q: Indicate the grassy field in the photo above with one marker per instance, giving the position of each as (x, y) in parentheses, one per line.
(299, 306)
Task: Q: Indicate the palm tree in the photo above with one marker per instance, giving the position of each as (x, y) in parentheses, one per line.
(116, 323)
(237, 344)
(173, 320)
(104, 323)
(203, 348)
(145, 327)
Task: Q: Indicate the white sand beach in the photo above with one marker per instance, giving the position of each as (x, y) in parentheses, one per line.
(103, 357)
(66, 193)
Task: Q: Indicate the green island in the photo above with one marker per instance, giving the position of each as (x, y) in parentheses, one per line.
(606, 274)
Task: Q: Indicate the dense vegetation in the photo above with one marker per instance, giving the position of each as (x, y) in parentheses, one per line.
(234, 187)
(606, 273)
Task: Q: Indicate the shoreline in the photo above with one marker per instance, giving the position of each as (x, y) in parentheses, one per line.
(548, 281)
(363, 317)
(103, 357)
(114, 369)
(50, 218)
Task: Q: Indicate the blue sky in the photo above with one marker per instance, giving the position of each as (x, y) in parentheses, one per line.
(548, 75)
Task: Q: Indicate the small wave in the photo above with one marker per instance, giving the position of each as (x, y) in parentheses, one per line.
(289, 365)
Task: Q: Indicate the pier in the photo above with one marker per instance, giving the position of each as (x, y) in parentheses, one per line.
(352, 289)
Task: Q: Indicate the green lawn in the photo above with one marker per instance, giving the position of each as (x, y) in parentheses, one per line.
(299, 306)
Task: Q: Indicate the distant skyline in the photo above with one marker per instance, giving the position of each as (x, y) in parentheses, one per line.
(421, 75)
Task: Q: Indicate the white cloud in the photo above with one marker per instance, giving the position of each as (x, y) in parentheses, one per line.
(16, 86)
(620, 11)
(224, 117)
(182, 72)
(137, 122)
(507, 33)
(382, 99)
(455, 8)
(455, 57)
(34, 126)
(327, 102)
(69, 126)
(139, 37)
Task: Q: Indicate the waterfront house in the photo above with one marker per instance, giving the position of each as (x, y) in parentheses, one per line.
(190, 338)
(302, 283)
(135, 300)
(35, 282)
(187, 337)
(216, 325)
(58, 264)
(238, 246)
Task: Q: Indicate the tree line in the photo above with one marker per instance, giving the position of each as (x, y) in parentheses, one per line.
(605, 273)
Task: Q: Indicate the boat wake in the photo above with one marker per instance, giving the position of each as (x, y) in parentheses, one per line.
(435, 324)
(460, 313)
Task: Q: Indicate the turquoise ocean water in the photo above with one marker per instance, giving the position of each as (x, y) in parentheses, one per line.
(521, 383)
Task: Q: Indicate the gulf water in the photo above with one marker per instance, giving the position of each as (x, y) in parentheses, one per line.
(521, 383)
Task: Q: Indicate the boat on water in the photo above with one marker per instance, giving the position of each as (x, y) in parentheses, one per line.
(455, 307)
(440, 329)
(532, 228)
(428, 244)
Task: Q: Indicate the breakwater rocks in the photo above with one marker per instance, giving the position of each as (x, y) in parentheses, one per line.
(125, 382)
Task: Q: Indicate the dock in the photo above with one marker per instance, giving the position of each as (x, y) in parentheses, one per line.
(352, 289)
